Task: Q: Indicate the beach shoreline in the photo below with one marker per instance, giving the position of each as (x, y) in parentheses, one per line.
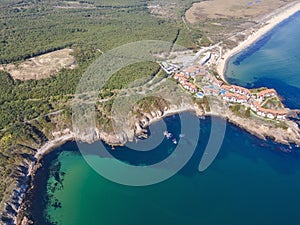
(53, 144)
(221, 67)
(266, 26)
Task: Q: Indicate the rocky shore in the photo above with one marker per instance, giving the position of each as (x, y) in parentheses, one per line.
(13, 208)
(13, 205)
(137, 128)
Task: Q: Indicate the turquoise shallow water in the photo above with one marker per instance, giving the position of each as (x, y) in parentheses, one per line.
(250, 182)
(273, 61)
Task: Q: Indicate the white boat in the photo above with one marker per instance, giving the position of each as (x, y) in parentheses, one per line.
(174, 141)
(168, 135)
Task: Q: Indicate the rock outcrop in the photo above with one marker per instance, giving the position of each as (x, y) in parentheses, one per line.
(133, 127)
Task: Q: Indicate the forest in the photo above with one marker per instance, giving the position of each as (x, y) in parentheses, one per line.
(30, 28)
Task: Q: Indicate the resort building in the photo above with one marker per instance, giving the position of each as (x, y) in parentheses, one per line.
(266, 93)
(191, 87)
(185, 83)
(226, 87)
(195, 70)
(229, 97)
(237, 90)
(242, 99)
(178, 76)
(269, 113)
(241, 90)
(230, 93)
(236, 98)
(181, 78)
(281, 114)
(255, 106)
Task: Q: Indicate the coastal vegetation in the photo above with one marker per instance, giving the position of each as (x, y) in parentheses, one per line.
(241, 111)
(34, 112)
(31, 110)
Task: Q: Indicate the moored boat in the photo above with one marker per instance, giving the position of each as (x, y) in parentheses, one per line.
(168, 135)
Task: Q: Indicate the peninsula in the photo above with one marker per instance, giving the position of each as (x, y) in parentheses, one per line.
(48, 125)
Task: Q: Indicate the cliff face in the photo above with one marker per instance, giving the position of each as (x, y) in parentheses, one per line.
(135, 126)
(284, 132)
(263, 130)
(14, 201)
(139, 123)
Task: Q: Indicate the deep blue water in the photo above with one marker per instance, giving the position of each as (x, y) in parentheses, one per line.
(251, 181)
(273, 61)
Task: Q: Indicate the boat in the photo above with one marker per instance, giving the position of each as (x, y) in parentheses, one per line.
(168, 135)
(174, 141)
(181, 135)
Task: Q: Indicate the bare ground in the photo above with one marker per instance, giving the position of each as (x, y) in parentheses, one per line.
(220, 19)
(42, 66)
(214, 9)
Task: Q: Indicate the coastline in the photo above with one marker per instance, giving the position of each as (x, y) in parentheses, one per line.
(52, 144)
(146, 120)
(56, 142)
(26, 183)
(267, 26)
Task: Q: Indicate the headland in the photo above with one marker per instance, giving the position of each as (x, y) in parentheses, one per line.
(209, 90)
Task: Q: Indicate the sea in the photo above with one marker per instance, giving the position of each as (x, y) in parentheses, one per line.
(250, 182)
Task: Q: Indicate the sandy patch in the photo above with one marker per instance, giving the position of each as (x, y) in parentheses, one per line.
(256, 34)
(214, 9)
(42, 66)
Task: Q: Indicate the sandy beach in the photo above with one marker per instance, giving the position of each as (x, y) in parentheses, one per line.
(266, 27)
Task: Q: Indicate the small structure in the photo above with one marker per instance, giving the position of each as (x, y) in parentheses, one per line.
(199, 95)
(205, 59)
(169, 68)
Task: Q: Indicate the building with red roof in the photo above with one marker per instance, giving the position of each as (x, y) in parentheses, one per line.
(266, 93)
